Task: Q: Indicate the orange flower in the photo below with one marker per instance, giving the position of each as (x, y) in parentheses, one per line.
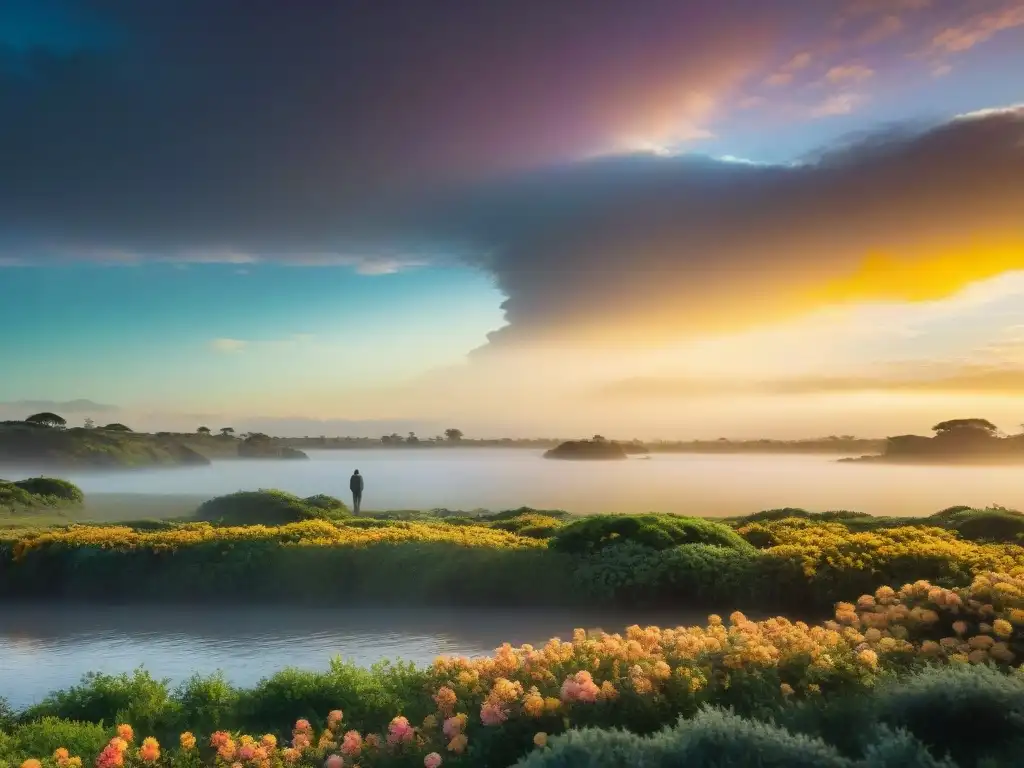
(32, 763)
(125, 732)
(187, 740)
(458, 743)
(149, 752)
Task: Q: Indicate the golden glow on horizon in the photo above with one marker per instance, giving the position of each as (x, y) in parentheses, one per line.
(920, 277)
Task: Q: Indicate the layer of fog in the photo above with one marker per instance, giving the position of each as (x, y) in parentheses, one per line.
(505, 479)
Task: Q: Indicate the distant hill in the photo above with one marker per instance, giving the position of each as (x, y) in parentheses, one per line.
(45, 447)
(599, 450)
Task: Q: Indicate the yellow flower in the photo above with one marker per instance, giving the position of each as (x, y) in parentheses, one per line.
(540, 740)
(187, 740)
(786, 689)
(458, 744)
(868, 658)
(125, 731)
(31, 763)
(1002, 627)
(533, 704)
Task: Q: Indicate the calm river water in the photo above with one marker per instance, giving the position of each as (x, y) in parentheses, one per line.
(46, 648)
(717, 485)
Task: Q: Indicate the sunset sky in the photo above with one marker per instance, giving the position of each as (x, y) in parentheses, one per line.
(646, 218)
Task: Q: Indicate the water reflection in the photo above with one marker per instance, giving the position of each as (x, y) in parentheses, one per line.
(44, 648)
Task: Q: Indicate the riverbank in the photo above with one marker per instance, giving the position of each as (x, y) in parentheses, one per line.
(922, 659)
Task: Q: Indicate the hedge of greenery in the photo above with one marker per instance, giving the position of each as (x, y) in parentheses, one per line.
(793, 561)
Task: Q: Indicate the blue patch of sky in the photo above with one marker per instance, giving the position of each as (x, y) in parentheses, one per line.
(115, 333)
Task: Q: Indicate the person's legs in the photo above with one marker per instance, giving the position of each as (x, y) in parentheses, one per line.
(357, 499)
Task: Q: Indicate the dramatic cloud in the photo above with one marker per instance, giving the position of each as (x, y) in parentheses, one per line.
(633, 248)
(402, 134)
(254, 127)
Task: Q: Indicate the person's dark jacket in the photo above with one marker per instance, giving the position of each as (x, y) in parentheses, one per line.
(356, 484)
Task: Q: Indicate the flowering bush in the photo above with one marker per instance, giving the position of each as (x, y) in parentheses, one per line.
(492, 710)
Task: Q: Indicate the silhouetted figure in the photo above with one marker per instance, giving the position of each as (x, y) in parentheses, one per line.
(355, 484)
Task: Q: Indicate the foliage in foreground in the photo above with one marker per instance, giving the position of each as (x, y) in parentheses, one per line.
(798, 565)
(837, 682)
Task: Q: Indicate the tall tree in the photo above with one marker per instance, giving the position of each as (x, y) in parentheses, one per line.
(227, 431)
(453, 435)
(203, 430)
(955, 425)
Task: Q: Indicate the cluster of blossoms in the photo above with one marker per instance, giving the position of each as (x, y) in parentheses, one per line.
(983, 623)
(833, 547)
(314, 533)
(560, 684)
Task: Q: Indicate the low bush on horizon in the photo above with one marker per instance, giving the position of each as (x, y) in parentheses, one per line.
(919, 676)
(35, 493)
(269, 507)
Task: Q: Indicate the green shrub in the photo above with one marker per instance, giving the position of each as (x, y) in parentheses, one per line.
(968, 712)
(39, 738)
(989, 525)
(591, 534)
(325, 502)
(206, 704)
(11, 496)
(690, 574)
(137, 698)
(712, 739)
(266, 507)
(887, 748)
(945, 515)
(52, 487)
(534, 525)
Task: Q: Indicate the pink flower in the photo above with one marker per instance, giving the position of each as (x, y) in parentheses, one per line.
(492, 714)
(399, 731)
(433, 760)
(580, 687)
(335, 761)
(352, 744)
(453, 726)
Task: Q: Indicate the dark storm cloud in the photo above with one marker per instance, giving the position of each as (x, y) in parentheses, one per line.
(324, 130)
(269, 127)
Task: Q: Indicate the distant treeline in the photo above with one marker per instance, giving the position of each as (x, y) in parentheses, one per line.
(834, 444)
(956, 440)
